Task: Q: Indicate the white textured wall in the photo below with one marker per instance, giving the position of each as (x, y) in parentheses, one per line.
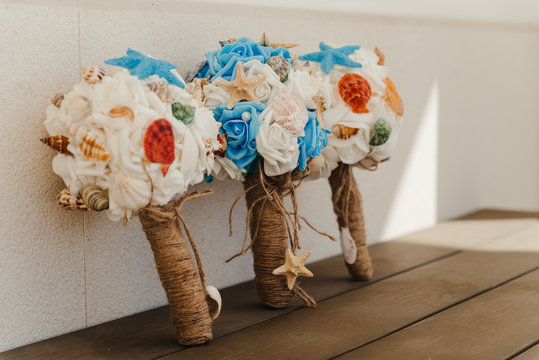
(470, 139)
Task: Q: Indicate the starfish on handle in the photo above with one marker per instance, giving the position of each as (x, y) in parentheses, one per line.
(293, 267)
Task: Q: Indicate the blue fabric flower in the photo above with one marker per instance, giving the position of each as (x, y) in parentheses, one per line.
(241, 125)
(315, 139)
(222, 62)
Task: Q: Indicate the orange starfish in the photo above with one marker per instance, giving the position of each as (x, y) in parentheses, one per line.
(242, 88)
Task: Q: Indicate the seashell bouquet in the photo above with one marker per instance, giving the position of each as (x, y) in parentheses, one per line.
(364, 113)
(130, 141)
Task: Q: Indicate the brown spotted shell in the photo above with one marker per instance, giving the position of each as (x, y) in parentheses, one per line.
(344, 132)
(92, 74)
(67, 201)
(90, 145)
(355, 90)
(279, 65)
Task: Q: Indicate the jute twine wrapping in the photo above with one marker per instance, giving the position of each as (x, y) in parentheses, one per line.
(273, 229)
(183, 283)
(347, 206)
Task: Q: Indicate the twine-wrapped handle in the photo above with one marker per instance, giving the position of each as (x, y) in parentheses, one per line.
(184, 284)
(347, 205)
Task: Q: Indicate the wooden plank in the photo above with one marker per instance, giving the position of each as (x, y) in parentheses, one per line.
(529, 354)
(150, 334)
(491, 326)
(357, 317)
(494, 214)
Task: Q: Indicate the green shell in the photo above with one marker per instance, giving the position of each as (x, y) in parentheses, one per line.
(382, 130)
(184, 113)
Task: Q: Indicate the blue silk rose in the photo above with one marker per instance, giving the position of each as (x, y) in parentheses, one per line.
(241, 125)
(315, 139)
(222, 62)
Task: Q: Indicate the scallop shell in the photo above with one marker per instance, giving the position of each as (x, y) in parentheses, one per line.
(70, 202)
(130, 191)
(392, 97)
(96, 198)
(355, 91)
(380, 135)
(159, 144)
(79, 107)
(161, 89)
(58, 143)
(381, 56)
(90, 145)
(290, 112)
(57, 100)
(122, 112)
(344, 132)
(184, 113)
(213, 298)
(280, 66)
(222, 140)
(92, 75)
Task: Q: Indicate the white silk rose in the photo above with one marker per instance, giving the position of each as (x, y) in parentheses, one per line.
(271, 86)
(278, 146)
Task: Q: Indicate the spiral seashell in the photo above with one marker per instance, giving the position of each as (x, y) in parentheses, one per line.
(290, 112)
(57, 100)
(380, 135)
(92, 74)
(344, 132)
(196, 88)
(159, 144)
(130, 191)
(96, 198)
(392, 97)
(161, 89)
(58, 143)
(355, 91)
(381, 56)
(184, 113)
(89, 143)
(280, 66)
(122, 112)
(70, 202)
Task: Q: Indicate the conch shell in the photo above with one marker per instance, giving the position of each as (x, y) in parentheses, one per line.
(393, 98)
(70, 202)
(96, 198)
(92, 75)
(89, 143)
(58, 143)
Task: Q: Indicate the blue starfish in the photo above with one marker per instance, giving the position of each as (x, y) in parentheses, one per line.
(143, 66)
(328, 57)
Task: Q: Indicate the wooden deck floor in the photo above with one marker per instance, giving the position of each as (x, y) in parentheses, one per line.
(465, 289)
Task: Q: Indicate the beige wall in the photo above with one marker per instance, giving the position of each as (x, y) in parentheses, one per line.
(470, 139)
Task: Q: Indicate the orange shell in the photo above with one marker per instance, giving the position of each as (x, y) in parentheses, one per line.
(355, 91)
(344, 132)
(122, 111)
(92, 148)
(381, 56)
(159, 144)
(392, 97)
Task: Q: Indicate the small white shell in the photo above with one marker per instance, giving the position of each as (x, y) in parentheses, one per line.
(290, 112)
(349, 248)
(79, 107)
(213, 298)
(130, 191)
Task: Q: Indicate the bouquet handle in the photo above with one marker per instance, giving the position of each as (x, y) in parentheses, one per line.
(183, 283)
(347, 205)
